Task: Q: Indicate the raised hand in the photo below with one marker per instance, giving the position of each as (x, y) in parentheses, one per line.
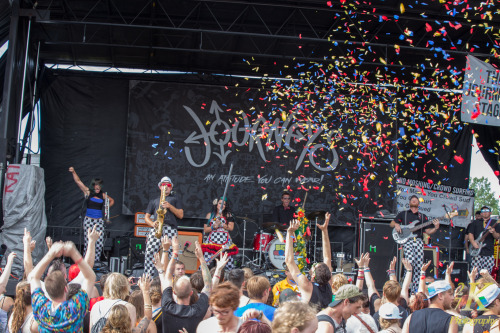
(405, 262)
(224, 259)
(175, 244)
(166, 243)
(49, 242)
(10, 258)
(198, 251)
(426, 266)
(362, 259)
(26, 237)
(57, 249)
(93, 234)
(68, 248)
(449, 269)
(392, 265)
(71, 169)
(324, 226)
(144, 283)
(294, 225)
(472, 275)
(157, 261)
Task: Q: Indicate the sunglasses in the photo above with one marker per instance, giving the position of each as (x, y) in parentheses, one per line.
(166, 184)
(485, 210)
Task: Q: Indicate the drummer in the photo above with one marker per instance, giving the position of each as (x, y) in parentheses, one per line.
(283, 213)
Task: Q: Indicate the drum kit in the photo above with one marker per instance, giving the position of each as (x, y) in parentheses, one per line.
(268, 251)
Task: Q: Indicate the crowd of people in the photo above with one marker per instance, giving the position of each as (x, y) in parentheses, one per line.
(51, 298)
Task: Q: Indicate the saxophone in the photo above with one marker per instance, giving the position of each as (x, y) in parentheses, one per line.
(160, 214)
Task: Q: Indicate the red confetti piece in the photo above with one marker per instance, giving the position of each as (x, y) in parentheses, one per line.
(459, 159)
(308, 231)
(497, 173)
(428, 27)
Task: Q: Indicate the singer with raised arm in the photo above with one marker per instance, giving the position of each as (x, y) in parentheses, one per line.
(482, 235)
(98, 204)
(413, 247)
(219, 223)
(161, 215)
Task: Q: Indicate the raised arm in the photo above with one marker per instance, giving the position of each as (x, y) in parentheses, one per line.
(168, 281)
(93, 236)
(370, 284)
(224, 259)
(88, 274)
(407, 280)
(361, 269)
(392, 270)
(472, 275)
(56, 250)
(78, 182)
(422, 287)
(327, 253)
(144, 284)
(449, 270)
(205, 272)
(4, 278)
(29, 246)
(304, 284)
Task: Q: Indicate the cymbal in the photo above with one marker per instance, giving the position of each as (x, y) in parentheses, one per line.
(320, 214)
(245, 218)
(274, 225)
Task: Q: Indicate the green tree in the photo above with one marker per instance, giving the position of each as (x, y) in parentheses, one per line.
(484, 195)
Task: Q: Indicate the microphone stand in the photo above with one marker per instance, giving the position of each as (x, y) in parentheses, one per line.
(449, 242)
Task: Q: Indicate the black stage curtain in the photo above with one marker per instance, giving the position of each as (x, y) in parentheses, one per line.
(84, 125)
(488, 139)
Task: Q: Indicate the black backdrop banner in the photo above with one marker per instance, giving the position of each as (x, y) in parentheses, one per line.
(343, 158)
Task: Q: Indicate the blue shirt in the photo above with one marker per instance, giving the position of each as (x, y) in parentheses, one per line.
(266, 309)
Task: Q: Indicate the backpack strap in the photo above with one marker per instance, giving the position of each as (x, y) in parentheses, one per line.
(364, 323)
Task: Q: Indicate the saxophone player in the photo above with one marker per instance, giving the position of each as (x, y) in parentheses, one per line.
(170, 209)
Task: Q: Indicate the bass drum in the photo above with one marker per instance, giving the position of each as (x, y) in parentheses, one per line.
(276, 253)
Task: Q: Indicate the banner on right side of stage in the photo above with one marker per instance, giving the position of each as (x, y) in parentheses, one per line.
(481, 93)
(434, 197)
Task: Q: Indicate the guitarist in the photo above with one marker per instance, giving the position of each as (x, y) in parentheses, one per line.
(414, 248)
(485, 258)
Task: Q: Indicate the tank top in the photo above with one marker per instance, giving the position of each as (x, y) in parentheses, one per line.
(483, 323)
(321, 296)
(430, 320)
(95, 205)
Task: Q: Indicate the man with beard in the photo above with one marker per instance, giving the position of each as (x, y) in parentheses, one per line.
(414, 247)
(434, 319)
(487, 225)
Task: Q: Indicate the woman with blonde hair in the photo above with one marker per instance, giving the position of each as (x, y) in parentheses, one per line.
(116, 290)
(21, 319)
(118, 320)
(295, 317)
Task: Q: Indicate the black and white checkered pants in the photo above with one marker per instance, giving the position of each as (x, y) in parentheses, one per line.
(89, 222)
(153, 245)
(483, 262)
(414, 252)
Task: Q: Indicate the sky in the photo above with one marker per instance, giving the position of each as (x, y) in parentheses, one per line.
(479, 168)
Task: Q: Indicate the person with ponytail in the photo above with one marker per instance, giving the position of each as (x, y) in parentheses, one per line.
(21, 319)
(94, 216)
(219, 223)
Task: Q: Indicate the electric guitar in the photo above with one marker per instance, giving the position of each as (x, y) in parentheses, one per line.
(480, 241)
(407, 230)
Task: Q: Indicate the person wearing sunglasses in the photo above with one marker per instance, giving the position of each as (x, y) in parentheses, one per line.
(477, 229)
(283, 213)
(174, 211)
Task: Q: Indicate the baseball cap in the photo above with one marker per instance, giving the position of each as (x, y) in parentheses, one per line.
(488, 295)
(165, 180)
(343, 293)
(438, 287)
(389, 311)
(287, 295)
(74, 270)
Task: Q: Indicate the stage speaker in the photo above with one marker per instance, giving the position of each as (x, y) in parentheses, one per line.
(137, 251)
(187, 246)
(432, 253)
(376, 238)
(120, 246)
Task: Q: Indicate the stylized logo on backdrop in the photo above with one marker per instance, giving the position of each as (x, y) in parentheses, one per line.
(219, 136)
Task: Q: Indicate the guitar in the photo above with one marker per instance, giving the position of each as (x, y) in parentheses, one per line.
(407, 230)
(480, 241)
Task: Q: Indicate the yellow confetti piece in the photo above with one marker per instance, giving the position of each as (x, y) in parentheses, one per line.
(401, 8)
(264, 197)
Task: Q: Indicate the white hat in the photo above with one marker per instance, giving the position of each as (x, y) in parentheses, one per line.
(165, 180)
(488, 295)
(389, 311)
(438, 287)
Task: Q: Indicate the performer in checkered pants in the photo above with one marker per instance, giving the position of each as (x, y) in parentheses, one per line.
(174, 211)
(95, 199)
(414, 248)
(485, 258)
(219, 223)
